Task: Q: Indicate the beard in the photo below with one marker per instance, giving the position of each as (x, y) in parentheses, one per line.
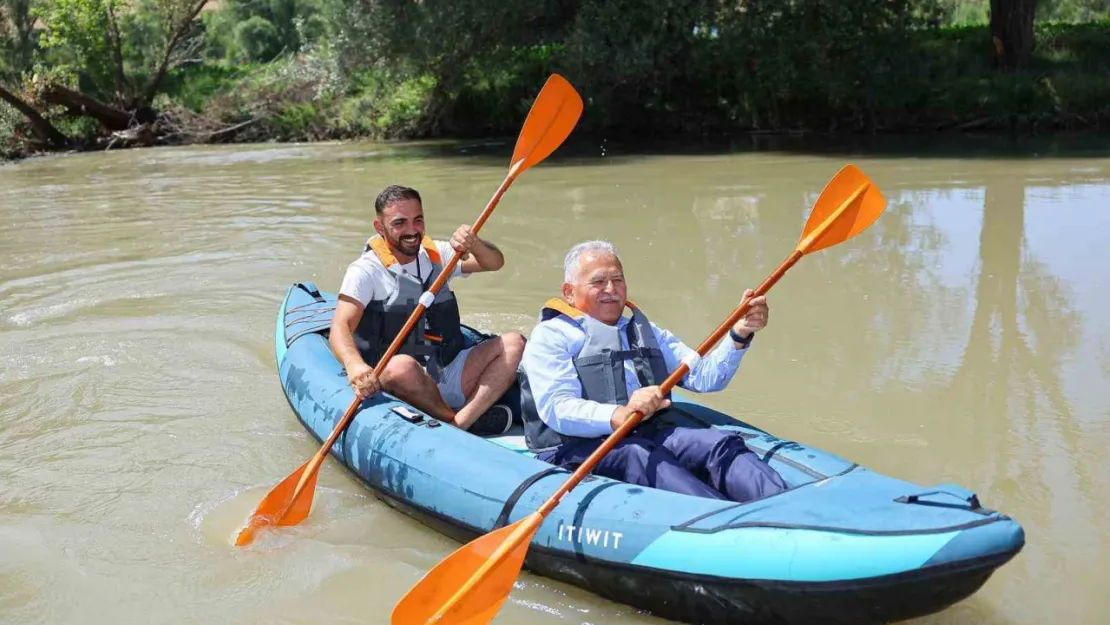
(409, 245)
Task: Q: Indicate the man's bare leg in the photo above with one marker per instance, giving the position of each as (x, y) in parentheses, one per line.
(406, 379)
(489, 371)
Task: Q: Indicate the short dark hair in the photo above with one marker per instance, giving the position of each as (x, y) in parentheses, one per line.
(395, 193)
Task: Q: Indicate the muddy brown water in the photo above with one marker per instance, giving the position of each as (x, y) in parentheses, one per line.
(965, 337)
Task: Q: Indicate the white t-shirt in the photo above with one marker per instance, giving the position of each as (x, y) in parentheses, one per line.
(368, 279)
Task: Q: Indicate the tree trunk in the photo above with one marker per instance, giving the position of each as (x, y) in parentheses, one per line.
(117, 54)
(19, 12)
(1012, 32)
(111, 118)
(44, 130)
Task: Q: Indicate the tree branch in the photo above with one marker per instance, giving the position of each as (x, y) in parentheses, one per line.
(178, 32)
(46, 131)
(187, 52)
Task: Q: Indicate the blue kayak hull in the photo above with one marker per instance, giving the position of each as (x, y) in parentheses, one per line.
(843, 545)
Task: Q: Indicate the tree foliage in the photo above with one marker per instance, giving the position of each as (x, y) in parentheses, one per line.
(337, 68)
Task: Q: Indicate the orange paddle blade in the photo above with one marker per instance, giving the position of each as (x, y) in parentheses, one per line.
(280, 507)
(550, 121)
(849, 204)
(470, 585)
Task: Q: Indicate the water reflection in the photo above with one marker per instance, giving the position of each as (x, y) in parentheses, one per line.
(942, 340)
(1022, 328)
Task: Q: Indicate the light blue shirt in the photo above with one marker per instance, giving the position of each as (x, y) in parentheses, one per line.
(557, 392)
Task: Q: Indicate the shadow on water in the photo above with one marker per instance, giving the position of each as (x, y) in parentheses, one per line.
(588, 150)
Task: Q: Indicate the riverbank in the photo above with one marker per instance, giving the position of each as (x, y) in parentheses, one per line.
(936, 80)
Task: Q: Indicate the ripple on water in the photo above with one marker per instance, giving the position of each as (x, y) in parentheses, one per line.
(339, 520)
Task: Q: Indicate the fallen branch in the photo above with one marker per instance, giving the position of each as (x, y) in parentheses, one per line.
(138, 134)
(231, 129)
(110, 117)
(43, 129)
(194, 127)
(971, 125)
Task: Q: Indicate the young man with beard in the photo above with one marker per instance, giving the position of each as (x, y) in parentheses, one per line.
(587, 368)
(433, 370)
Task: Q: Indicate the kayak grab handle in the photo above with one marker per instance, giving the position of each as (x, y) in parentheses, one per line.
(950, 490)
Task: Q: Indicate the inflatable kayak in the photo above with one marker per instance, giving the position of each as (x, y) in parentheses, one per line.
(843, 545)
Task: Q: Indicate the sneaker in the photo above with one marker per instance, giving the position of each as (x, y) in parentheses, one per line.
(494, 422)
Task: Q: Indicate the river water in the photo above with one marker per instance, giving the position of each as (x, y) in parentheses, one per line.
(965, 337)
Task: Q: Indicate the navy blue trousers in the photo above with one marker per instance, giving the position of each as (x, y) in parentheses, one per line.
(705, 462)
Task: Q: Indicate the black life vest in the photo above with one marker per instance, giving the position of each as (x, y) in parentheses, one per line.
(436, 338)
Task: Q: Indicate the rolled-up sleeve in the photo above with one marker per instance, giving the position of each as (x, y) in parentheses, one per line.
(548, 363)
(712, 373)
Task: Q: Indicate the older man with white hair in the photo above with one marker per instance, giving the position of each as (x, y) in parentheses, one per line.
(587, 367)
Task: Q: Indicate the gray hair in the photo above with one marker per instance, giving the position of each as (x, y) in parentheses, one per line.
(570, 263)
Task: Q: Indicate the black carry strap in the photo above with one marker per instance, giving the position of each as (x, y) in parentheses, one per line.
(510, 503)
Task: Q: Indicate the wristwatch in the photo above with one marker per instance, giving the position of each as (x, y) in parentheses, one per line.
(744, 342)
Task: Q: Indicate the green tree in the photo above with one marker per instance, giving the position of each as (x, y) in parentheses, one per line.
(107, 60)
(1012, 22)
(275, 26)
(257, 39)
(82, 37)
(17, 42)
(637, 58)
(458, 44)
(16, 36)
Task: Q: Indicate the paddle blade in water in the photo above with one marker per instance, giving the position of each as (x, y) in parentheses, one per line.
(470, 585)
(849, 204)
(279, 507)
(550, 121)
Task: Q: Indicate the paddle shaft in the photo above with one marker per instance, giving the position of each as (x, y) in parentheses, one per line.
(317, 459)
